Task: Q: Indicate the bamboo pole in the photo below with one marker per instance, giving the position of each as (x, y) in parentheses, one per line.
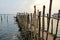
(57, 26)
(43, 23)
(49, 18)
(39, 18)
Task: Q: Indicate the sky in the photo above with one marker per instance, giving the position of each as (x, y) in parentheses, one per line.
(14, 6)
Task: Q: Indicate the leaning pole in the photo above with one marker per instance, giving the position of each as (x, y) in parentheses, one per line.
(50, 7)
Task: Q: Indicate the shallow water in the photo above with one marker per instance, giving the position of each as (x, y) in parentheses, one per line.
(54, 26)
(8, 27)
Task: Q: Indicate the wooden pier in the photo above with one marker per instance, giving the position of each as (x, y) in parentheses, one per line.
(33, 26)
(25, 23)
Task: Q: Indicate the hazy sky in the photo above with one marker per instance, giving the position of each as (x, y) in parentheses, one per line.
(14, 6)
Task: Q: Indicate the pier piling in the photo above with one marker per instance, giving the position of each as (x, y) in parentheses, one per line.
(39, 20)
(43, 21)
(33, 26)
(57, 26)
(52, 26)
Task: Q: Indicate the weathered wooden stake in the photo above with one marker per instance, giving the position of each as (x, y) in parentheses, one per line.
(7, 19)
(52, 26)
(28, 19)
(57, 26)
(49, 18)
(47, 26)
(39, 19)
(31, 26)
(1, 18)
(31, 20)
(43, 25)
(34, 19)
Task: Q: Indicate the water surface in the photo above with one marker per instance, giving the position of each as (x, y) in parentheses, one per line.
(8, 27)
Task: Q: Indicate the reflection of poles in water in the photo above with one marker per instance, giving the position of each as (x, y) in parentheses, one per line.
(7, 19)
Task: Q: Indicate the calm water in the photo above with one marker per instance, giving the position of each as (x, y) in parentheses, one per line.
(9, 28)
(54, 26)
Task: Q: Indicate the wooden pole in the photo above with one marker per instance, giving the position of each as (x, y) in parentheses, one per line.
(28, 26)
(49, 18)
(47, 26)
(31, 20)
(39, 18)
(1, 18)
(31, 26)
(57, 27)
(52, 26)
(50, 9)
(28, 19)
(7, 19)
(34, 15)
(43, 25)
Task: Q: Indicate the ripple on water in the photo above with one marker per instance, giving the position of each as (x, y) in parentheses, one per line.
(8, 31)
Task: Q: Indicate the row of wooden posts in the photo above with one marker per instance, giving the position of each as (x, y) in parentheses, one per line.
(1, 17)
(24, 21)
